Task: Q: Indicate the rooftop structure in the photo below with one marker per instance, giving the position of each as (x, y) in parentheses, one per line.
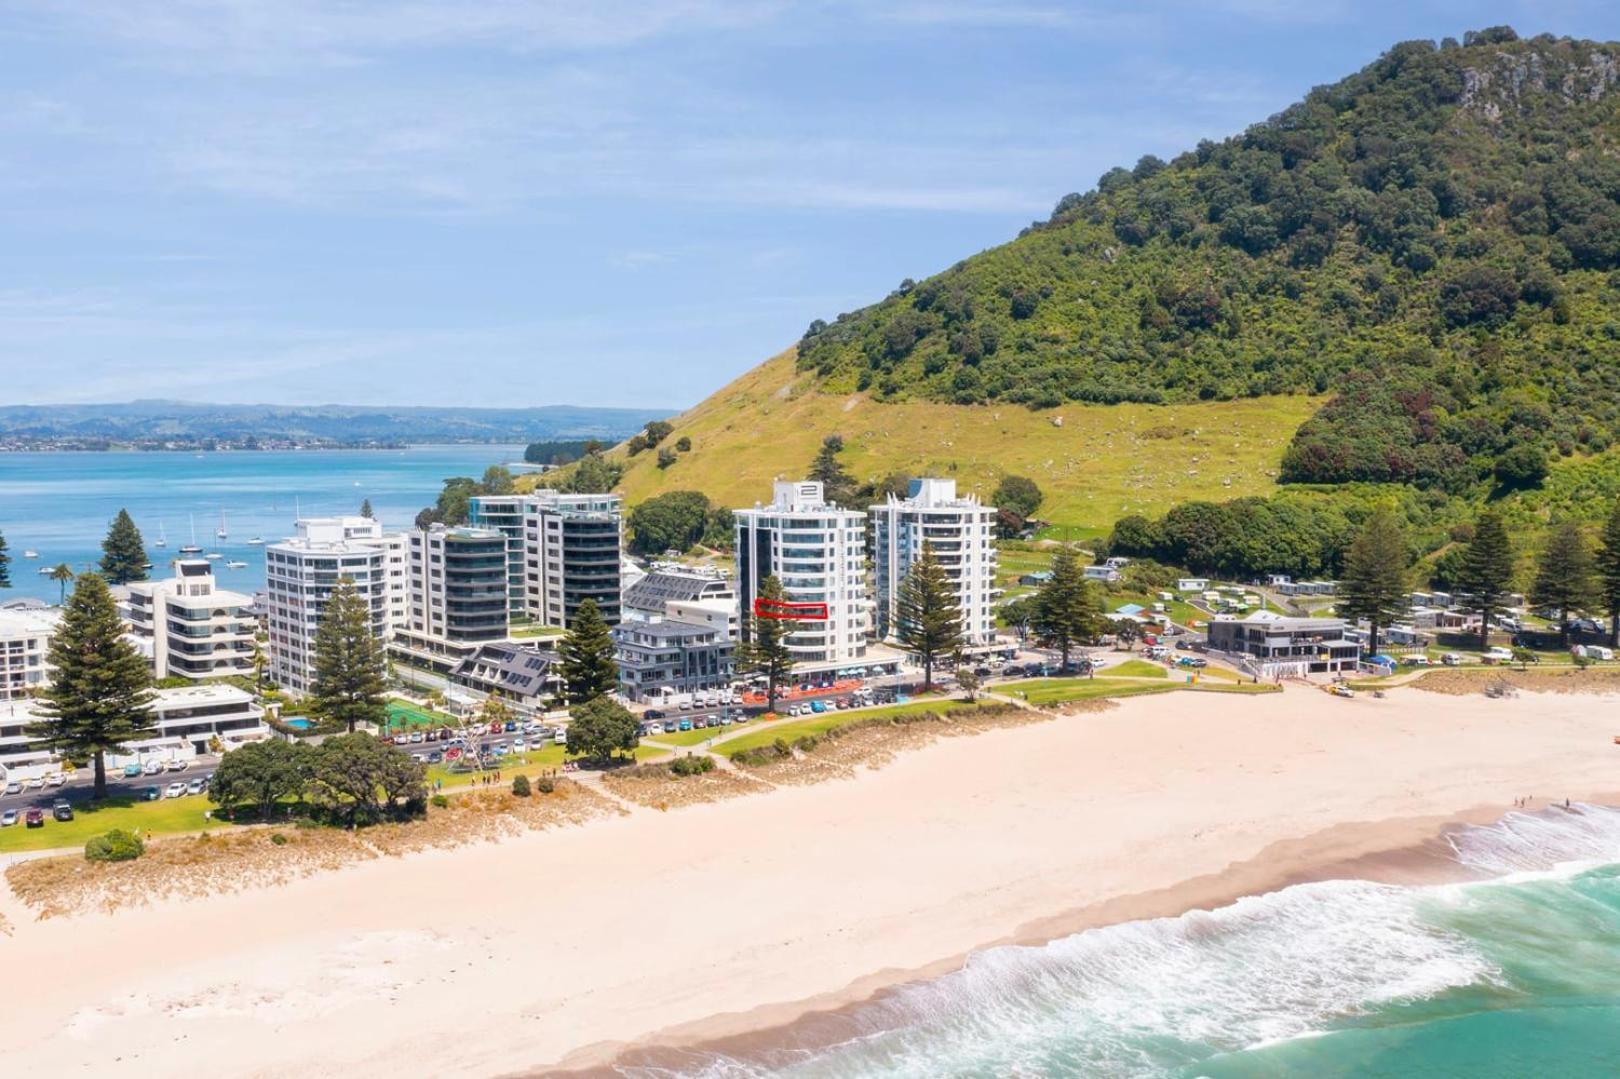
(191, 627)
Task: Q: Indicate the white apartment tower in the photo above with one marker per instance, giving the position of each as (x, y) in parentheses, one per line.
(25, 640)
(562, 549)
(301, 573)
(191, 626)
(818, 551)
(961, 533)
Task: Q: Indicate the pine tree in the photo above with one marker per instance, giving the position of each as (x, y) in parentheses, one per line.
(123, 552)
(1067, 608)
(927, 618)
(5, 562)
(365, 509)
(1486, 572)
(99, 698)
(589, 668)
(1373, 585)
(1608, 571)
(1564, 575)
(763, 648)
(836, 484)
(348, 685)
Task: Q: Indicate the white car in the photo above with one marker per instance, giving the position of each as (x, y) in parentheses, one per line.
(519, 745)
(179, 764)
(56, 779)
(175, 790)
(34, 784)
(152, 767)
(560, 738)
(8, 818)
(418, 736)
(196, 785)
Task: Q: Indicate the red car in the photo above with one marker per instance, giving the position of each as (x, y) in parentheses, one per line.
(34, 818)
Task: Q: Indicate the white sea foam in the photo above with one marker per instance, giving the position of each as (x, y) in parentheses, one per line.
(1151, 997)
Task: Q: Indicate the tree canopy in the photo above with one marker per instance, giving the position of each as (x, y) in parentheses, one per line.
(350, 678)
(589, 667)
(928, 620)
(123, 552)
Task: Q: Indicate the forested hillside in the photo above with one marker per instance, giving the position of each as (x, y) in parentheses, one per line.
(1432, 240)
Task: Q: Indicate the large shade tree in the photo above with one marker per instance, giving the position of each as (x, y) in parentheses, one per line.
(928, 620)
(350, 675)
(123, 552)
(99, 697)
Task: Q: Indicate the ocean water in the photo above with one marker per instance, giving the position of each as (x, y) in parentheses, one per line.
(60, 504)
(1514, 974)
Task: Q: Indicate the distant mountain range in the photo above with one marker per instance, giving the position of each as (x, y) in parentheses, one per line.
(183, 421)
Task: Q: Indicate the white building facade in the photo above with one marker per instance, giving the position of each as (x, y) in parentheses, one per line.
(190, 627)
(960, 531)
(25, 640)
(300, 576)
(818, 551)
(562, 549)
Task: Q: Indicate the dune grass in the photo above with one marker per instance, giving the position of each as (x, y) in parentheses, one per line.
(768, 732)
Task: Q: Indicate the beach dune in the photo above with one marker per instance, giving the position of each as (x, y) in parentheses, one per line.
(563, 947)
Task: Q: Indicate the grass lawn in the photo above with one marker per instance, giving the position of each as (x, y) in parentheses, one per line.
(1136, 668)
(766, 733)
(694, 737)
(524, 633)
(551, 756)
(167, 815)
(1060, 690)
(403, 715)
(1103, 462)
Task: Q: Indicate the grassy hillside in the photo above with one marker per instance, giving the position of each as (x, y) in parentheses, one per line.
(1103, 461)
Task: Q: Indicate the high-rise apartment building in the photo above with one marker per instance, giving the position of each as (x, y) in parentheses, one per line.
(961, 532)
(562, 549)
(300, 575)
(191, 627)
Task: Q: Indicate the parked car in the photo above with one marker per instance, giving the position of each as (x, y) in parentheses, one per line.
(196, 786)
(34, 818)
(670, 726)
(417, 737)
(61, 810)
(654, 713)
(511, 725)
(817, 707)
(152, 767)
(8, 818)
(700, 723)
(14, 787)
(179, 764)
(686, 724)
(176, 789)
(151, 794)
(1341, 690)
(56, 779)
(36, 783)
(560, 738)
(1451, 659)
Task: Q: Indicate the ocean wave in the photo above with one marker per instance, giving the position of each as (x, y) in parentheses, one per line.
(1541, 842)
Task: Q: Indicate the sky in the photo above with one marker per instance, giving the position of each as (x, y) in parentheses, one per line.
(596, 202)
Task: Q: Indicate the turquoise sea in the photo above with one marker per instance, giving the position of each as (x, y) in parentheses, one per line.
(59, 504)
(1514, 974)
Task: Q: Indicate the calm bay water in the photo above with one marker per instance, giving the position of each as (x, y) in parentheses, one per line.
(1514, 975)
(59, 504)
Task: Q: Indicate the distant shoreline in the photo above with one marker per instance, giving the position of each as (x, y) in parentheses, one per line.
(280, 447)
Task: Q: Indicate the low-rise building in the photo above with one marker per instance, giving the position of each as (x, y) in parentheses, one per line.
(526, 676)
(25, 641)
(188, 721)
(1281, 646)
(189, 626)
(669, 656)
(1192, 584)
(1102, 572)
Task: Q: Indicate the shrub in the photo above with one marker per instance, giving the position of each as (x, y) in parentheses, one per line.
(691, 766)
(114, 846)
(666, 457)
(278, 839)
(544, 785)
(439, 801)
(520, 786)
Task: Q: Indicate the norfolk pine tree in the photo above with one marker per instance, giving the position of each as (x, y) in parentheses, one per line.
(588, 665)
(927, 618)
(1067, 608)
(1373, 585)
(348, 684)
(764, 648)
(1564, 575)
(123, 552)
(1487, 570)
(1608, 570)
(99, 698)
(5, 563)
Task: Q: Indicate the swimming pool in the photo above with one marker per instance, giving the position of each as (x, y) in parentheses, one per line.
(299, 723)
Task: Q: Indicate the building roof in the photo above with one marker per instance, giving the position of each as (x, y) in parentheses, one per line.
(1288, 622)
(521, 668)
(28, 621)
(668, 629)
(662, 586)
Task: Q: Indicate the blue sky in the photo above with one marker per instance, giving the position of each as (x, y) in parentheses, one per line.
(594, 201)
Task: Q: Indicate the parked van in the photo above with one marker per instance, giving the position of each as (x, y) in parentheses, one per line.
(1597, 651)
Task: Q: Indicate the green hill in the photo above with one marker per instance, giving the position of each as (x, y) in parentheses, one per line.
(1407, 278)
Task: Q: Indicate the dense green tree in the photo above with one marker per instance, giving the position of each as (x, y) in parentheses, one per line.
(1018, 615)
(836, 483)
(365, 509)
(559, 453)
(348, 683)
(763, 648)
(1565, 574)
(123, 552)
(1068, 609)
(5, 563)
(657, 431)
(1019, 494)
(594, 474)
(497, 480)
(364, 779)
(1486, 573)
(99, 697)
(589, 668)
(1373, 585)
(676, 520)
(61, 573)
(261, 774)
(667, 457)
(601, 728)
(928, 619)
(1608, 572)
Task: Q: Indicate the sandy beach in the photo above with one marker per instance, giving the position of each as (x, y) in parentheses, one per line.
(562, 948)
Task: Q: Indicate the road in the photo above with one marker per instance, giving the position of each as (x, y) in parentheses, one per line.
(78, 788)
